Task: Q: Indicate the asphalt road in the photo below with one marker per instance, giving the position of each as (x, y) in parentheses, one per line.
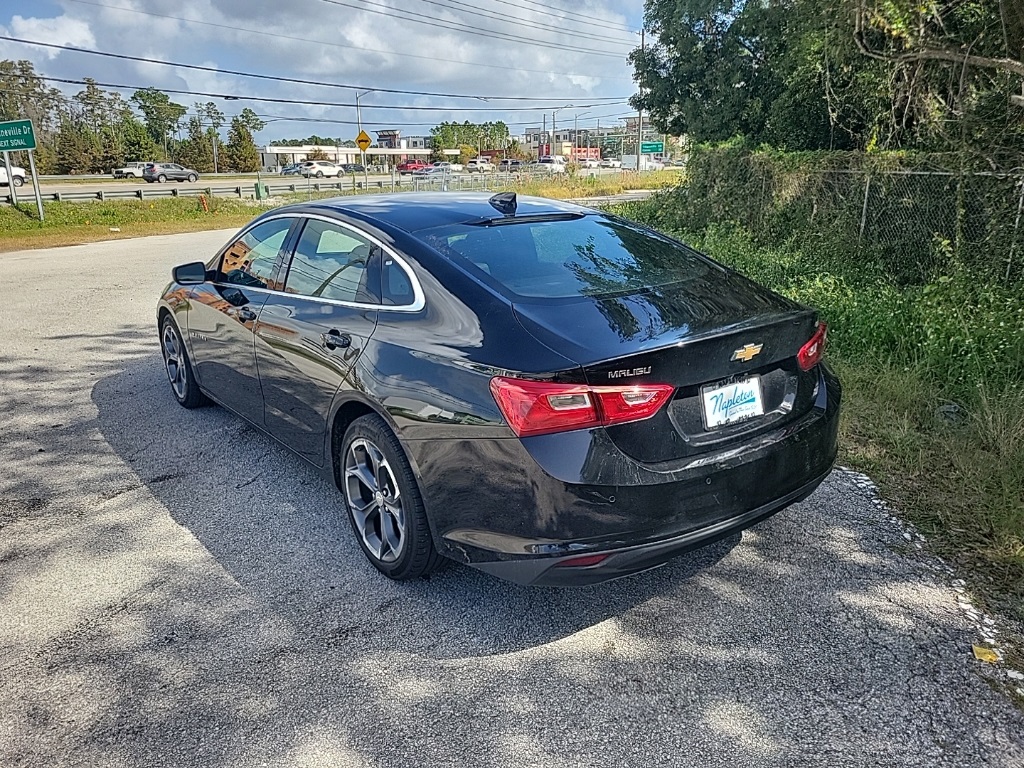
(178, 590)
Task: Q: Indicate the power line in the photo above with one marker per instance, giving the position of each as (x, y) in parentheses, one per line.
(550, 8)
(451, 5)
(278, 78)
(332, 44)
(546, 10)
(458, 27)
(305, 102)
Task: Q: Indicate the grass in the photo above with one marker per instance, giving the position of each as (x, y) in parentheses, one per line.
(933, 380)
(71, 223)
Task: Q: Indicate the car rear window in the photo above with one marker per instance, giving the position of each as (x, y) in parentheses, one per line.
(589, 256)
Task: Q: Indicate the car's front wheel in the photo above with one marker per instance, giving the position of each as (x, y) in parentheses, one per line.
(18, 181)
(384, 502)
(192, 178)
(179, 368)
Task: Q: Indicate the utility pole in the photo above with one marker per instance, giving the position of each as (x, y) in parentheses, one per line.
(553, 139)
(543, 132)
(640, 112)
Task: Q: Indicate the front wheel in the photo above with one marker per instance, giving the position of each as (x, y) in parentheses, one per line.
(192, 178)
(18, 181)
(179, 367)
(384, 502)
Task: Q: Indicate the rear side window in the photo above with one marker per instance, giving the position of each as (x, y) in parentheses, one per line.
(330, 262)
(250, 259)
(589, 256)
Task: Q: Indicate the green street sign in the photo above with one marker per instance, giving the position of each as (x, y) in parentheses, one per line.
(652, 147)
(17, 134)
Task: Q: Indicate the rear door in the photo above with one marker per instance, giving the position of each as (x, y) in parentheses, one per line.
(222, 316)
(309, 335)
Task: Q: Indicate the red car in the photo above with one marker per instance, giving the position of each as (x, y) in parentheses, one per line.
(409, 166)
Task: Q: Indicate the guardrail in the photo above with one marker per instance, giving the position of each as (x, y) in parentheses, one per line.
(351, 185)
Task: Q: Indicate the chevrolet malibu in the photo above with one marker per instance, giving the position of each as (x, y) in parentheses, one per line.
(545, 392)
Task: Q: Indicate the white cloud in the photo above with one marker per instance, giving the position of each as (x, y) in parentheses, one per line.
(61, 30)
(315, 40)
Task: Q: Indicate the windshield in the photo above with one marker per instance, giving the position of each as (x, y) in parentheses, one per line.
(590, 256)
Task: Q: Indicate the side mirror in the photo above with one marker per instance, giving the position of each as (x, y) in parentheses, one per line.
(189, 274)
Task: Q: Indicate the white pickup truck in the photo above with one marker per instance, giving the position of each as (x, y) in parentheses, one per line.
(480, 165)
(16, 172)
(129, 171)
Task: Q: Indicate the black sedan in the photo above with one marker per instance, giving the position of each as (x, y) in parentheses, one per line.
(545, 392)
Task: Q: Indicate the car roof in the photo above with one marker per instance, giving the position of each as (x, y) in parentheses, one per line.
(414, 211)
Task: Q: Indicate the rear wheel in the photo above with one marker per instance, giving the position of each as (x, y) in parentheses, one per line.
(161, 178)
(384, 502)
(18, 181)
(179, 367)
(319, 174)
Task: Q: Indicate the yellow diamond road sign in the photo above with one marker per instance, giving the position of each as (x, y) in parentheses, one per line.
(363, 140)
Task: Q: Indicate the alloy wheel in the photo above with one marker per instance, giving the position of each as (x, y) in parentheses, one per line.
(174, 362)
(374, 500)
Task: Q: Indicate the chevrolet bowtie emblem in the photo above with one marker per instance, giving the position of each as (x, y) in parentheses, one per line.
(746, 353)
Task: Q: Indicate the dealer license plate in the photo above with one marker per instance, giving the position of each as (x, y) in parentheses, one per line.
(733, 402)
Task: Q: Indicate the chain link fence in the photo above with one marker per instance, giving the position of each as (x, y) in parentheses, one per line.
(916, 216)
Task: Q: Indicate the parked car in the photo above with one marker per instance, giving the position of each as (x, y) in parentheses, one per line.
(411, 166)
(319, 169)
(480, 165)
(295, 169)
(353, 167)
(589, 162)
(510, 165)
(162, 172)
(17, 173)
(129, 171)
(545, 392)
(550, 165)
(453, 167)
(610, 162)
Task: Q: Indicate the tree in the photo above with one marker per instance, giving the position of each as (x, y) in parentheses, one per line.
(317, 154)
(161, 115)
(213, 119)
(196, 151)
(242, 153)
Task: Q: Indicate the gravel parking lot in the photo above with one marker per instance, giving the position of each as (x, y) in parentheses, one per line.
(178, 590)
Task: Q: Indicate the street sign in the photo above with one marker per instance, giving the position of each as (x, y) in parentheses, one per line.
(17, 134)
(652, 147)
(363, 141)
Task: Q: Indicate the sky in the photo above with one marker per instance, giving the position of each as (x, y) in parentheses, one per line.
(570, 56)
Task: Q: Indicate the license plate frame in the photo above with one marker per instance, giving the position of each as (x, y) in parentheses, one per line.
(731, 403)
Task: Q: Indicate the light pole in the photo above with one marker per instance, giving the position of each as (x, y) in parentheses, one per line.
(553, 135)
(359, 123)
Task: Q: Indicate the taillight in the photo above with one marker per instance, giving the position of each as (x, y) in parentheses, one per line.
(811, 352)
(538, 407)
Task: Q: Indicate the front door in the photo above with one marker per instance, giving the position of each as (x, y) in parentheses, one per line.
(309, 335)
(222, 317)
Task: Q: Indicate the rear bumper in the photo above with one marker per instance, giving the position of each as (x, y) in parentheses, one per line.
(520, 508)
(626, 561)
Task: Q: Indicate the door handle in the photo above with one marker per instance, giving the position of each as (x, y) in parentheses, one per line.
(244, 314)
(334, 340)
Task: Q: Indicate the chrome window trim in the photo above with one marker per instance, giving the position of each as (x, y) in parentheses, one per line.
(418, 298)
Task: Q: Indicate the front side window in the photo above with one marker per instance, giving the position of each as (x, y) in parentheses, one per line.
(250, 259)
(330, 262)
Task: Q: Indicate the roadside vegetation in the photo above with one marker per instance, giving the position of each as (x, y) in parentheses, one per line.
(927, 333)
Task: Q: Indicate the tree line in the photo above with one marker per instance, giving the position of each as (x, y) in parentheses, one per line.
(97, 130)
(944, 75)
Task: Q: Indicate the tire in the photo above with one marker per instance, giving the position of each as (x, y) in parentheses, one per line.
(319, 174)
(383, 501)
(192, 178)
(178, 367)
(18, 181)
(161, 178)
